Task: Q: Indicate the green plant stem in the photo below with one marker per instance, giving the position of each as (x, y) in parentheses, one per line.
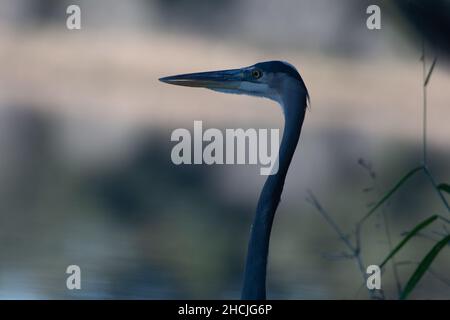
(426, 79)
(390, 193)
(424, 93)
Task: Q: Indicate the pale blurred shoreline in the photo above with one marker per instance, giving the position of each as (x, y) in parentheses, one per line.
(48, 70)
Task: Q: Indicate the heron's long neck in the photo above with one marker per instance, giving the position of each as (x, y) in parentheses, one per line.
(258, 248)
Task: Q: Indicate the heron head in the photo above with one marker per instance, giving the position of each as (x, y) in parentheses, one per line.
(271, 79)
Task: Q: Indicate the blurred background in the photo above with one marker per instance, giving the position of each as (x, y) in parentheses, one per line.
(85, 171)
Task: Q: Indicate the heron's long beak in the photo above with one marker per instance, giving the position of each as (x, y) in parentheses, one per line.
(224, 79)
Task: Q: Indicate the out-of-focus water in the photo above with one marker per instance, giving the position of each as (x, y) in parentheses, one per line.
(86, 176)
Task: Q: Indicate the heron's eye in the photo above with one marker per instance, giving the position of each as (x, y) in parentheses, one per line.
(256, 74)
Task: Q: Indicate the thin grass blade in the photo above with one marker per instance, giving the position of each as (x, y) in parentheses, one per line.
(410, 234)
(392, 191)
(423, 267)
(444, 187)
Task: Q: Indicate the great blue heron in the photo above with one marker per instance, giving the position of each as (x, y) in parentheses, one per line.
(281, 82)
